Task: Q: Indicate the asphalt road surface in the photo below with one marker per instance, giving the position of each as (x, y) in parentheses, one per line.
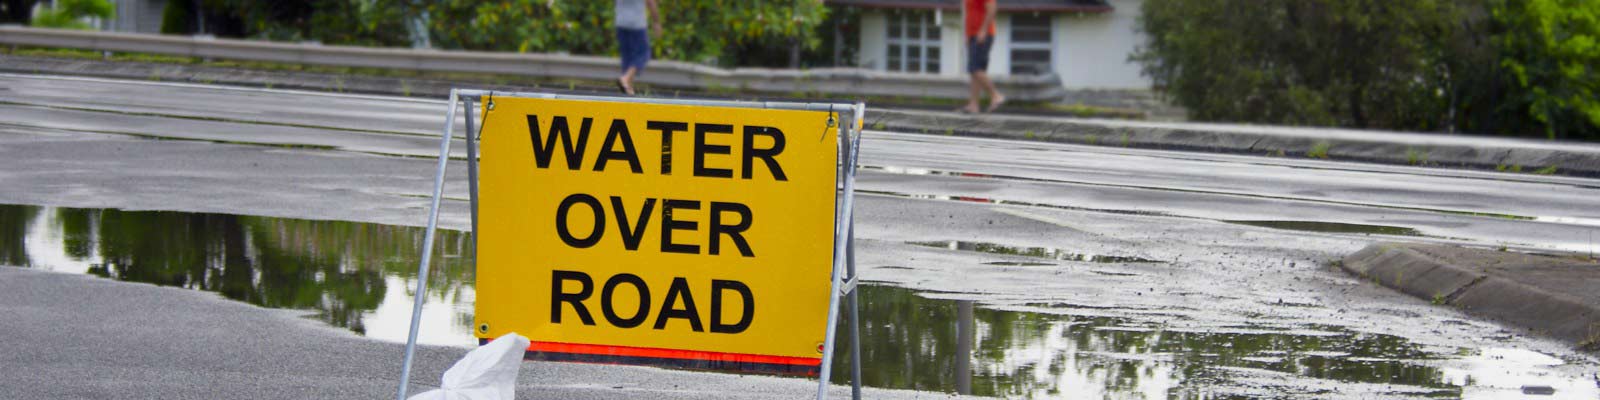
(1170, 241)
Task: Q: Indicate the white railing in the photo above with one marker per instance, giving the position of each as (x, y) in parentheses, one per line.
(671, 74)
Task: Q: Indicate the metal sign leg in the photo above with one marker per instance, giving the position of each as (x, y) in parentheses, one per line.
(850, 262)
(472, 173)
(842, 267)
(427, 246)
(855, 316)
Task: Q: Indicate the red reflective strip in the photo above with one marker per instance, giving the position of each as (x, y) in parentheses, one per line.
(575, 348)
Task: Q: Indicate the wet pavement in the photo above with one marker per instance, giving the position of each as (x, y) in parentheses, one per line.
(1087, 271)
(355, 276)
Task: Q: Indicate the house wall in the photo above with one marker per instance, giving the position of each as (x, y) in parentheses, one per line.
(952, 45)
(1000, 52)
(1091, 51)
(874, 50)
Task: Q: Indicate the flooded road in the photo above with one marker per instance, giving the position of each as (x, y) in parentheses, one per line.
(357, 276)
(1013, 269)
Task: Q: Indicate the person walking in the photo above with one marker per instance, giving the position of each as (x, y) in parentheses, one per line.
(633, 43)
(980, 16)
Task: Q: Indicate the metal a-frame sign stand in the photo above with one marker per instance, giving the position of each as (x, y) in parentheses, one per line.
(844, 264)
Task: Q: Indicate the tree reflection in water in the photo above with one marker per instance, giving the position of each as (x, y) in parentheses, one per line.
(913, 342)
(335, 267)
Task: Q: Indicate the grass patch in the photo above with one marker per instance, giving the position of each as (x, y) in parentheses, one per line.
(1087, 111)
(1550, 170)
(1416, 157)
(1320, 150)
(97, 55)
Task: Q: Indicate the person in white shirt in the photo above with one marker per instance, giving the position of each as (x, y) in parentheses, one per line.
(633, 43)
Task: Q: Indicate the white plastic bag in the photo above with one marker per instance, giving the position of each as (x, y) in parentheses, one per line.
(486, 373)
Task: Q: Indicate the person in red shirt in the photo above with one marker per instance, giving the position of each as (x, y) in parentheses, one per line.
(980, 38)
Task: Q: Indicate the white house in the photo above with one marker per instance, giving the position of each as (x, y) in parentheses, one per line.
(1085, 42)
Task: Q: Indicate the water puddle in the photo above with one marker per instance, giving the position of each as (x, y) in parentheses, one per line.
(913, 341)
(352, 275)
(357, 276)
(1332, 227)
(1037, 252)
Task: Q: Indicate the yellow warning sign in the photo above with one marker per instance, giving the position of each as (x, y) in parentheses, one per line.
(657, 234)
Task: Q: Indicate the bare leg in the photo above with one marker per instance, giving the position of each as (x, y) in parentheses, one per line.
(976, 92)
(626, 80)
(995, 98)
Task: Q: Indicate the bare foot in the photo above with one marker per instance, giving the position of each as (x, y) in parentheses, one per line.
(970, 108)
(994, 102)
(626, 85)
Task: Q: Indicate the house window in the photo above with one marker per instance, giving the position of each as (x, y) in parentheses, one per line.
(913, 42)
(1030, 44)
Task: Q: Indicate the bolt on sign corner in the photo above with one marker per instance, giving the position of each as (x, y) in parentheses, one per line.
(654, 234)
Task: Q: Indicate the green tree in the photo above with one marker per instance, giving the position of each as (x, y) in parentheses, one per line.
(1505, 67)
(69, 14)
(1551, 50)
(347, 22)
(16, 11)
(177, 17)
(1359, 63)
(719, 32)
(701, 31)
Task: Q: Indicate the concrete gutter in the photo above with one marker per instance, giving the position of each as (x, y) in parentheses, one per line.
(1549, 295)
(1401, 148)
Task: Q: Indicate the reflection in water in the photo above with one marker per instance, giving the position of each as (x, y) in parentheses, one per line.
(344, 270)
(911, 341)
(358, 276)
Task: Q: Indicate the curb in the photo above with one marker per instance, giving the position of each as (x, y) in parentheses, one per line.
(1396, 148)
(1499, 285)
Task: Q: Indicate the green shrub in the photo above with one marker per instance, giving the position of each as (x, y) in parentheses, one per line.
(69, 14)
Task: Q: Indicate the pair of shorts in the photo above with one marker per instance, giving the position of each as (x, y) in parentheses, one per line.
(634, 47)
(978, 53)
